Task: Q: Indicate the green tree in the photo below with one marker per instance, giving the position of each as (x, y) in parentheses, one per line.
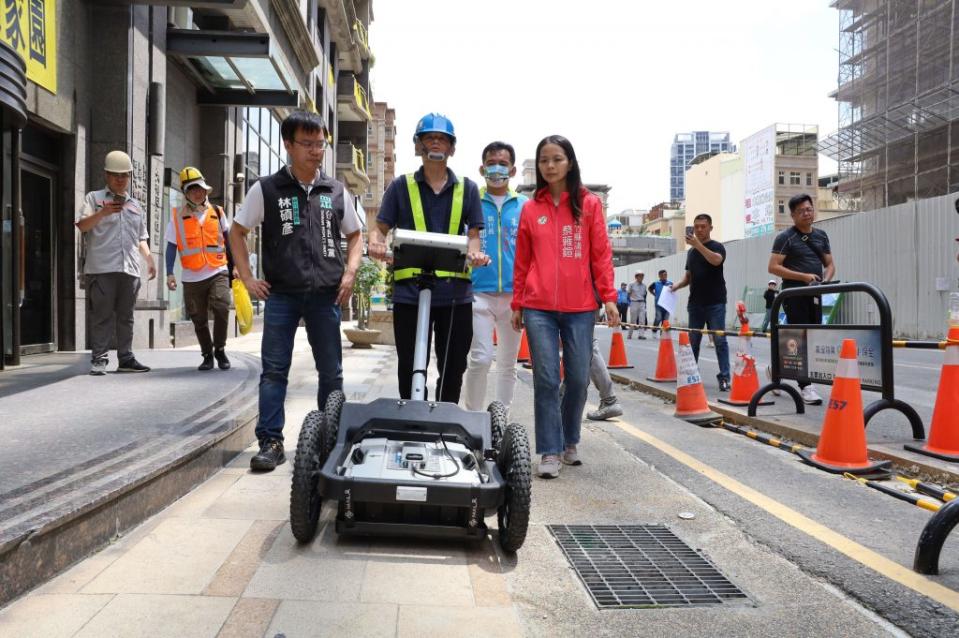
(367, 276)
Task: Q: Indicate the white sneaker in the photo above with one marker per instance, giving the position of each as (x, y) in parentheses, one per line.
(98, 368)
(549, 466)
(570, 456)
(608, 408)
(810, 396)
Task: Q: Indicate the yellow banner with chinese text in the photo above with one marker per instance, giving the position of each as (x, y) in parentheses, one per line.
(30, 27)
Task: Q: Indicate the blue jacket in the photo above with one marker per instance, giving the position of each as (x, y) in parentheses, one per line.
(499, 242)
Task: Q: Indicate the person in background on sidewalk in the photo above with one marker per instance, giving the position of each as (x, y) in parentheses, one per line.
(609, 406)
(622, 303)
(637, 304)
(769, 296)
(434, 200)
(199, 231)
(562, 239)
(707, 292)
(114, 227)
(656, 288)
(493, 286)
(303, 213)
(801, 256)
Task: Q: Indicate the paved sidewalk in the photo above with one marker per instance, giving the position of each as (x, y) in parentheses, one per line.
(222, 560)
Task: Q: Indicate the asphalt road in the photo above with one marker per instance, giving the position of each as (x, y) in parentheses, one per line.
(916, 376)
(854, 512)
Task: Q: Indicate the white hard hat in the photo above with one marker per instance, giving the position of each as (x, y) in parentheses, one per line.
(640, 272)
(117, 162)
(771, 281)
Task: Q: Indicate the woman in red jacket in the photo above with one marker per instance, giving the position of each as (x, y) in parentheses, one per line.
(563, 269)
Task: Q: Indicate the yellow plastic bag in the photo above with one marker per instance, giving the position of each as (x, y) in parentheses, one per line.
(244, 308)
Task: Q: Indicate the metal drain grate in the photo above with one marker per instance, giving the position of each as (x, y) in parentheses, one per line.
(641, 566)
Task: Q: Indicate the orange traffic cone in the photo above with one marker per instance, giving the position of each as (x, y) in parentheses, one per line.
(495, 341)
(523, 354)
(745, 379)
(842, 443)
(617, 353)
(943, 440)
(666, 361)
(690, 394)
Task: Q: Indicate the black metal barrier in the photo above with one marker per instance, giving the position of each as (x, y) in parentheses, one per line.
(801, 332)
(933, 537)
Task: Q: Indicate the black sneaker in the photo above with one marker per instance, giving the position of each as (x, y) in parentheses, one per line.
(269, 456)
(221, 359)
(132, 365)
(207, 362)
(723, 385)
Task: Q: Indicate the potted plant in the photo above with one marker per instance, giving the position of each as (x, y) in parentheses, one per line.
(367, 276)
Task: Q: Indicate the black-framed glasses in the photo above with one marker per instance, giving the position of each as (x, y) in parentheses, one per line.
(318, 145)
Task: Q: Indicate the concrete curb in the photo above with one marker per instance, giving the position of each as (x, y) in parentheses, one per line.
(45, 544)
(922, 469)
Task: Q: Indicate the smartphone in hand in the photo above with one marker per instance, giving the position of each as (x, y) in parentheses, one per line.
(689, 231)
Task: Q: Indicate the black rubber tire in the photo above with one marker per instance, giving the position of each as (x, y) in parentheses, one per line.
(331, 417)
(497, 421)
(305, 501)
(516, 467)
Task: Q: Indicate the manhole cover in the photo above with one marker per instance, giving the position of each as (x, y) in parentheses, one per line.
(641, 566)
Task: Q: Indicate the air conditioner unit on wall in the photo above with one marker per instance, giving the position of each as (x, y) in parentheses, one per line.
(180, 17)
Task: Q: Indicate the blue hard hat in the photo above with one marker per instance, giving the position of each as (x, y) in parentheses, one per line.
(434, 123)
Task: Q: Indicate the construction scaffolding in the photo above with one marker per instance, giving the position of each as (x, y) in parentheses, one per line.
(898, 94)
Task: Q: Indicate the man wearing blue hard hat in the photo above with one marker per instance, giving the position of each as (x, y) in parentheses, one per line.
(433, 199)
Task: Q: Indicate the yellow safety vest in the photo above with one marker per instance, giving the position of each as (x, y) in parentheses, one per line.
(419, 221)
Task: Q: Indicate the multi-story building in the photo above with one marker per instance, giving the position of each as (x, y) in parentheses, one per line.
(382, 164)
(778, 162)
(714, 185)
(202, 82)
(687, 146)
(898, 136)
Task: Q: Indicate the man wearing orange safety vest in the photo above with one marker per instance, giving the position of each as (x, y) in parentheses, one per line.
(198, 232)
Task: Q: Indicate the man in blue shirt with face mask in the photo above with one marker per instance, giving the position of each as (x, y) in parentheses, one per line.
(493, 285)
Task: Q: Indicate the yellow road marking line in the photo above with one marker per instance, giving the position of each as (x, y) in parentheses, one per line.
(873, 560)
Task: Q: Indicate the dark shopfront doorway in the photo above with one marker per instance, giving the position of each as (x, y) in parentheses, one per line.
(37, 311)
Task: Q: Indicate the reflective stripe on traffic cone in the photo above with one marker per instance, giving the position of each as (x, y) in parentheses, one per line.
(666, 360)
(690, 394)
(943, 440)
(523, 354)
(617, 353)
(842, 442)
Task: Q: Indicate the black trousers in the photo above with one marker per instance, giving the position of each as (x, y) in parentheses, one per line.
(451, 325)
(800, 310)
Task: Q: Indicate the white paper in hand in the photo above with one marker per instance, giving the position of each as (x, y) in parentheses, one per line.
(667, 301)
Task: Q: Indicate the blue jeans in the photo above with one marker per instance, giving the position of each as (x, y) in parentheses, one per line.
(281, 318)
(661, 316)
(558, 424)
(714, 318)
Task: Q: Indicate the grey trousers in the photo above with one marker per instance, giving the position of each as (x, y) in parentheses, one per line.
(599, 374)
(202, 296)
(110, 300)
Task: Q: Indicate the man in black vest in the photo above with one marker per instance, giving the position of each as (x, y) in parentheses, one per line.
(433, 199)
(303, 213)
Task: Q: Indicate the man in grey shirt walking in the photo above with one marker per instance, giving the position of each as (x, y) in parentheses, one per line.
(114, 227)
(637, 304)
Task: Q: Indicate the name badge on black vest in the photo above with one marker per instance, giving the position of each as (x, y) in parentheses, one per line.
(329, 238)
(289, 214)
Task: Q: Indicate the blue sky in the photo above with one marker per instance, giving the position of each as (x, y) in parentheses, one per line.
(617, 78)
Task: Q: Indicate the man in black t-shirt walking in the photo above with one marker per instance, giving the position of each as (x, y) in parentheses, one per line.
(801, 256)
(707, 291)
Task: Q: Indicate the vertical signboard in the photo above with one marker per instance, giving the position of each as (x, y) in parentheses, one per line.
(30, 27)
(759, 161)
